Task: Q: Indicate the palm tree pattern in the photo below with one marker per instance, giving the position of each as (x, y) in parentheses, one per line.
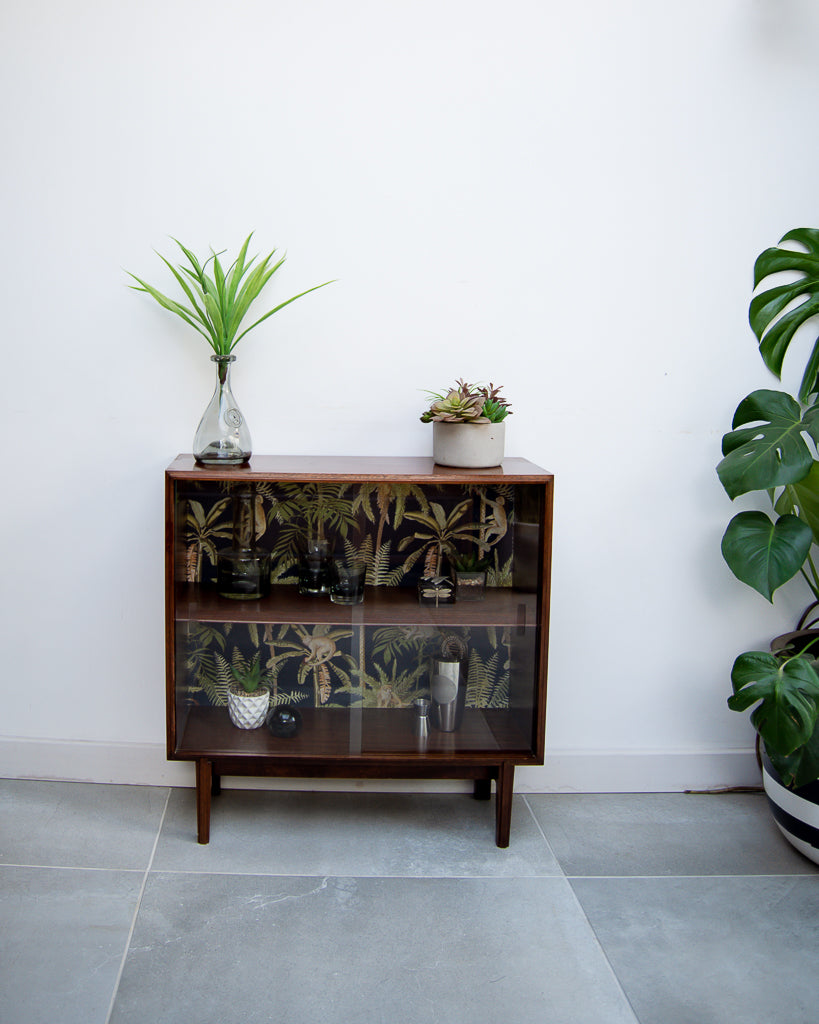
(401, 532)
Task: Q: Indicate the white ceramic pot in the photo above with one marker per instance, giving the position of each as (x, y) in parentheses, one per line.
(248, 710)
(468, 445)
(795, 811)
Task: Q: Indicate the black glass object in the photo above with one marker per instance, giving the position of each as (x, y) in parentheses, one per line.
(243, 570)
(284, 721)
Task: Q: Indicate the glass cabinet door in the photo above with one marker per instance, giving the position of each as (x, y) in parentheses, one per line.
(391, 617)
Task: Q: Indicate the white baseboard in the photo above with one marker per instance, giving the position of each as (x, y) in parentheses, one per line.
(576, 771)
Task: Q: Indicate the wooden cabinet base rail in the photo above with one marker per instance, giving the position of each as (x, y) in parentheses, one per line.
(209, 772)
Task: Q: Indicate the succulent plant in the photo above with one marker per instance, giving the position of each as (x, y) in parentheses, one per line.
(469, 563)
(467, 403)
(249, 677)
(495, 408)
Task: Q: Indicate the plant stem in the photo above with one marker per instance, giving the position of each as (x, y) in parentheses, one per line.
(813, 579)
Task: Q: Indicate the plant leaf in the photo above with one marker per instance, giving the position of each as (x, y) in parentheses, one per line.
(186, 288)
(215, 314)
(281, 306)
(802, 499)
(775, 335)
(237, 271)
(170, 304)
(194, 262)
(764, 554)
(800, 767)
(786, 694)
(772, 451)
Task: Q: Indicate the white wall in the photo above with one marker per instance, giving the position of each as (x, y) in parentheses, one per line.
(566, 198)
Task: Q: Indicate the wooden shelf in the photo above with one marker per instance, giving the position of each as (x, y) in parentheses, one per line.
(354, 469)
(356, 734)
(381, 605)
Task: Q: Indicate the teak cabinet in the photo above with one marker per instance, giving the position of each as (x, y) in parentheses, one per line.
(354, 671)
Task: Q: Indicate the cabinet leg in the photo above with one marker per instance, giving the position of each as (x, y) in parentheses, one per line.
(482, 789)
(503, 803)
(204, 782)
(216, 784)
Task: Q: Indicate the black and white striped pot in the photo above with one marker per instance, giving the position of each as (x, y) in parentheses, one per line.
(795, 811)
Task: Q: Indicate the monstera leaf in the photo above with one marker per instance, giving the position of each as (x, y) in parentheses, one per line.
(772, 450)
(775, 330)
(802, 499)
(786, 694)
(800, 767)
(764, 554)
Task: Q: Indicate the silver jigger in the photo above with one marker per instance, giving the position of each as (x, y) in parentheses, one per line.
(421, 705)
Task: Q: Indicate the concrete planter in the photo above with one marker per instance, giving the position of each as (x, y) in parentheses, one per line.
(468, 445)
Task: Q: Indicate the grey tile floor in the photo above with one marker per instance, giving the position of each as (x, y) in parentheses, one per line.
(371, 908)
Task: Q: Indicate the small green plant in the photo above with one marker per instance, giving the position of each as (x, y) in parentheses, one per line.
(469, 563)
(467, 403)
(249, 677)
(219, 303)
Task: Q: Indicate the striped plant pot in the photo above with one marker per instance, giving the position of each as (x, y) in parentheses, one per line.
(795, 811)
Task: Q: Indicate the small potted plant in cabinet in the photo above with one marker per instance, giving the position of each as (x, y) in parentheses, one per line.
(469, 572)
(248, 696)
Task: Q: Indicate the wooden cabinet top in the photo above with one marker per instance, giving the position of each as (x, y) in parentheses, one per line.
(416, 469)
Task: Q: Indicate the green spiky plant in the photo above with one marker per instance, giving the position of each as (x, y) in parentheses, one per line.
(250, 676)
(467, 403)
(471, 562)
(220, 301)
(772, 449)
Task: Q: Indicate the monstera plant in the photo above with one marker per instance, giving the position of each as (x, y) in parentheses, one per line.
(772, 449)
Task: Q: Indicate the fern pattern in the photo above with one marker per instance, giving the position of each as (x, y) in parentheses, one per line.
(415, 528)
(401, 532)
(334, 667)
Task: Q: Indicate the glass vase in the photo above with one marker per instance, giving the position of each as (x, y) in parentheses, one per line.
(243, 570)
(222, 437)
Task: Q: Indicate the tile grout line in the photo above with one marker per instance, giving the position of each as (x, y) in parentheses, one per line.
(137, 908)
(70, 867)
(573, 895)
(220, 873)
(677, 875)
(603, 952)
(539, 827)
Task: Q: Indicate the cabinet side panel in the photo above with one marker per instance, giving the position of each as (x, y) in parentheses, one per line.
(170, 613)
(531, 572)
(176, 571)
(545, 591)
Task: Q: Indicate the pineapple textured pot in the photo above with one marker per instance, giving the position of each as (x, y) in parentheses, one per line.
(468, 445)
(248, 710)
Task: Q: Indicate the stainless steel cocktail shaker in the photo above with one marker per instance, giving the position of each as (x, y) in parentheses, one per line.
(448, 693)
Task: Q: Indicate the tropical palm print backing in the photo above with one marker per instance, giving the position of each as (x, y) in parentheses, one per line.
(402, 532)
